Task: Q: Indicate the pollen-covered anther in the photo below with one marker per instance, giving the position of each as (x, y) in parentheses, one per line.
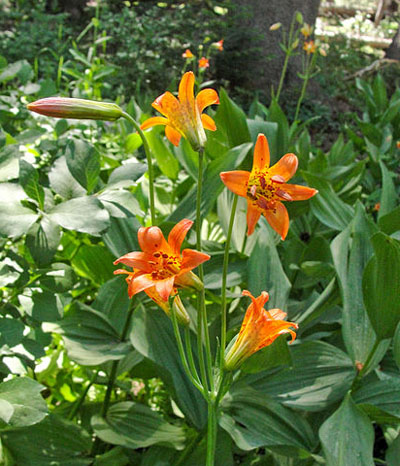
(283, 195)
(263, 182)
(278, 179)
(253, 190)
(263, 203)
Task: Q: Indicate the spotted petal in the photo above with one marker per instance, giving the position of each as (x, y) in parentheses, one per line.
(137, 260)
(236, 181)
(164, 287)
(261, 153)
(253, 216)
(154, 121)
(186, 89)
(278, 219)
(178, 234)
(173, 135)
(151, 240)
(298, 192)
(139, 283)
(168, 105)
(191, 259)
(205, 98)
(285, 167)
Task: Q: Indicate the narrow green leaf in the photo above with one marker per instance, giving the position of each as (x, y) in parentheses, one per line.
(381, 285)
(276, 115)
(166, 161)
(29, 180)
(390, 222)
(347, 436)
(389, 196)
(396, 346)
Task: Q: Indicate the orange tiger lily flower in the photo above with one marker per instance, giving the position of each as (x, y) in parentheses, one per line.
(187, 54)
(161, 265)
(259, 329)
(204, 63)
(183, 115)
(219, 45)
(309, 47)
(265, 188)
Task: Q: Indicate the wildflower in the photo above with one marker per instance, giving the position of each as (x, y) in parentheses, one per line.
(161, 265)
(187, 54)
(306, 30)
(219, 45)
(183, 115)
(398, 144)
(377, 206)
(259, 329)
(275, 26)
(266, 187)
(204, 63)
(309, 47)
(65, 107)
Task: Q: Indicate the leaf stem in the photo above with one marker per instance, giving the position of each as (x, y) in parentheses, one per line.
(360, 375)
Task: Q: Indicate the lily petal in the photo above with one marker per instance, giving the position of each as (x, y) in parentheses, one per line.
(205, 98)
(140, 283)
(164, 287)
(137, 260)
(253, 216)
(285, 167)
(178, 234)
(151, 240)
(278, 219)
(191, 259)
(173, 135)
(298, 192)
(167, 104)
(153, 122)
(236, 181)
(186, 89)
(208, 122)
(261, 157)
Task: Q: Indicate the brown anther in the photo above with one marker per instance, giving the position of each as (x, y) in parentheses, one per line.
(165, 256)
(253, 190)
(278, 179)
(152, 263)
(263, 203)
(284, 195)
(156, 254)
(262, 182)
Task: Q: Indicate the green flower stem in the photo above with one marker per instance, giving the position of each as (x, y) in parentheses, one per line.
(189, 449)
(189, 352)
(80, 401)
(211, 433)
(201, 309)
(182, 353)
(224, 277)
(360, 375)
(309, 68)
(149, 164)
(288, 54)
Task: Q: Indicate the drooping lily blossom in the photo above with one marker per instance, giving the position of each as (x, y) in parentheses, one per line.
(219, 45)
(187, 54)
(161, 265)
(204, 63)
(183, 115)
(259, 329)
(265, 188)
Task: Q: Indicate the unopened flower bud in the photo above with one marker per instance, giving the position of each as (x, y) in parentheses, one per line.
(64, 107)
(299, 17)
(275, 26)
(190, 280)
(179, 309)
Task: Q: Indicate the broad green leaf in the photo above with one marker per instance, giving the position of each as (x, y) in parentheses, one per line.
(42, 240)
(390, 222)
(58, 278)
(132, 142)
(127, 174)
(276, 115)
(347, 436)
(389, 195)
(54, 441)
(89, 336)
(133, 425)
(29, 180)
(224, 207)
(188, 158)
(212, 184)
(351, 250)
(15, 219)
(265, 271)
(321, 375)
(380, 400)
(120, 203)
(326, 205)
(84, 214)
(6, 412)
(153, 336)
(396, 346)
(254, 421)
(11, 331)
(381, 285)
(165, 159)
(62, 182)
(270, 129)
(94, 262)
(231, 119)
(393, 452)
(274, 355)
(23, 394)
(114, 457)
(9, 162)
(121, 236)
(46, 307)
(83, 161)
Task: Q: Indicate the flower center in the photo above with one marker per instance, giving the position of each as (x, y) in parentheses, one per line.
(164, 265)
(264, 190)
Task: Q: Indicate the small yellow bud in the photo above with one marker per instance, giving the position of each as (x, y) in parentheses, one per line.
(275, 26)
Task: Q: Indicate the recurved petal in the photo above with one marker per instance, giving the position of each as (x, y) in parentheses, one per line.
(253, 216)
(191, 259)
(167, 104)
(137, 260)
(139, 283)
(173, 135)
(154, 121)
(261, 153)
(298, 192)
(236, 181)
(186, 89)
(277, 314)
(260, 300)
(205, 98)
(208, 122)
(151, 239)
(285, 167)
(178, 234)
(164, 287)
(278, 219)
(152, 294)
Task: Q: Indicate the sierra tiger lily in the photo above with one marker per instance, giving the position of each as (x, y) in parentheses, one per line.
(259, 329)
(160, 267)
(183, 115)
(265, 188)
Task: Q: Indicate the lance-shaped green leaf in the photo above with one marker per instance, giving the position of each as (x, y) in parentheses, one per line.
(390, 222)
(83, 162)
(396, 346)
(347, 436)
(381, 285)
(166, 161)
(29, 180)
(389, 196)
(133, 425)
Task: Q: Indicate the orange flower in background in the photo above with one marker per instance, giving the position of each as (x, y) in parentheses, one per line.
(398, 144)
(187, 54)
(377, 206)
(220, 45)
(259, 329)
(265, 188)
(183, 115)
(306, 30)
(161, 266)
(204, 63)
(309, 47)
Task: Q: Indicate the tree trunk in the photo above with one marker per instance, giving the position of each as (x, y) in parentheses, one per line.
(253, 58)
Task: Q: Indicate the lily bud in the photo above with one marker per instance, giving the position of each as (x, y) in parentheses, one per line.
(180, 311)
(190, 280)
(65, 107)
(275, 26)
